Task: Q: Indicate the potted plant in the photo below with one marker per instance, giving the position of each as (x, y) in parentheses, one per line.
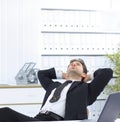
(115, 60)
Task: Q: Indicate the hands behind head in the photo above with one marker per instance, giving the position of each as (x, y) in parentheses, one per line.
(87, 78)
(64, 75)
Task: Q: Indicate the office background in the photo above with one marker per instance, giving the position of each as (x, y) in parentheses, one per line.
(79, 27)
(50, 33)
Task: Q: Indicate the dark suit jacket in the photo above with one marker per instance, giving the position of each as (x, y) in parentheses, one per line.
(80, 94)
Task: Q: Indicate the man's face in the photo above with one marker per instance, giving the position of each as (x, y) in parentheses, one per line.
(75, 67)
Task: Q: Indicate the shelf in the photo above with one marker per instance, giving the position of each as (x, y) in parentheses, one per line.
(61, 9)
(70, 32)
(73, 55)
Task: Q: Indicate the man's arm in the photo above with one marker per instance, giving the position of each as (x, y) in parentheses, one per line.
(45, 77)
(101, 79)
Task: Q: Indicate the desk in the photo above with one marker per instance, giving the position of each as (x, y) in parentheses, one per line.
(88, 120)
(26, 99)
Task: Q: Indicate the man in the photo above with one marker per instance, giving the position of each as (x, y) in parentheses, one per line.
(72, 100)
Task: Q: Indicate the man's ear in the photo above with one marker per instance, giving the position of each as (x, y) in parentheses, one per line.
(84, 75)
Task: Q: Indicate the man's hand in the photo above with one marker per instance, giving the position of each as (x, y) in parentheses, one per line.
(87, 78)
(64, 75)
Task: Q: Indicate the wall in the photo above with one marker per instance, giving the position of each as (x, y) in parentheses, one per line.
(20, 30)
(19, 36)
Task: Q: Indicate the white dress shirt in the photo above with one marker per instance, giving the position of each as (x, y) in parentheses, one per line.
(59, 106)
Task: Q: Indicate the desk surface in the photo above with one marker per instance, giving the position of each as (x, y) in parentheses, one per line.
(20, 86)
(67, 121)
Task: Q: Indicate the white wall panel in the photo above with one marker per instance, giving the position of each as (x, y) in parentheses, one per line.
(20, 36)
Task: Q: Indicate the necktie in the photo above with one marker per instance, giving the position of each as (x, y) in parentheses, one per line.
(58, 91)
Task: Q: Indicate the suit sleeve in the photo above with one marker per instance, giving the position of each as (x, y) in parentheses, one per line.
(45, 77)
(101, 79)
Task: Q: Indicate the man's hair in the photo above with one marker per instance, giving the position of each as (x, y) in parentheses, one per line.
(82, 62)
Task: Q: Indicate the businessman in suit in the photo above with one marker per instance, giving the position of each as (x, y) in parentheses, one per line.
(73, 98)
